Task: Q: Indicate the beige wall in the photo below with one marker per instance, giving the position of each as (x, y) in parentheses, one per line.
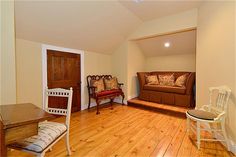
(136, 62)
(95, 64)
(129, 59)
(119, 65)
(216, 54)
(29, 70)
(8, 69)
(184, 20)
(181, 62)
(1, 31)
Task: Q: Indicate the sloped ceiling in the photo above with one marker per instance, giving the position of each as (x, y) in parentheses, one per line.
(180, 43)
(98, 26)
(152, 9)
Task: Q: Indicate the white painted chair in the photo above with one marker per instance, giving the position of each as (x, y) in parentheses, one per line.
(49, 132)
(214, 112)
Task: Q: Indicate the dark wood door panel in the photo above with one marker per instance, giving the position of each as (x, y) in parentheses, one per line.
(64, 72)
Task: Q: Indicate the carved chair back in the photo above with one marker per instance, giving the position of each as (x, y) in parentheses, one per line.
(59, 92)
(91, 78)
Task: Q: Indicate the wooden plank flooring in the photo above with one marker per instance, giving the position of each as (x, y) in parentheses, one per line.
(129, 131)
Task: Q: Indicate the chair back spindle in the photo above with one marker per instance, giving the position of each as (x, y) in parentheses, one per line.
(222, 98)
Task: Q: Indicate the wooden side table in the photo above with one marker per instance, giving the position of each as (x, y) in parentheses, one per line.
(19, 121)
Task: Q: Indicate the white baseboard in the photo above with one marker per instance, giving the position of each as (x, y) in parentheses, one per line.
(92, 104)
(132, 96)
(117, 100)
(232, 145)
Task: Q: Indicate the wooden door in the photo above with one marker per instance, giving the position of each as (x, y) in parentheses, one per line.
(63, 71)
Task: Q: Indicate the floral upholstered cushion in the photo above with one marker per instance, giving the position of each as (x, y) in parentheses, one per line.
(99, 84)
(167, 80)
(111, 83)
(152, 80)
(48, 132)
(180, 81)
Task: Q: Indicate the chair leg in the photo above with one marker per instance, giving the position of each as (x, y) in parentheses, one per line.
(97, 102)
(41, 154)
(111, 102)
(188, 124)
(123, 97)
(89, 103)
(224, 134)
(68, 143)
(198, 135)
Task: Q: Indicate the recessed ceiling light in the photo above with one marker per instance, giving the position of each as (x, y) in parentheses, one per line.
(167, 44)
(137, 1)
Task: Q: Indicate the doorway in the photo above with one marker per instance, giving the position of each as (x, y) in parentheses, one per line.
(63, 68)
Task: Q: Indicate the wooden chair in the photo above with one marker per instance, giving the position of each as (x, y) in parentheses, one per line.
(106, 94)
(211, 113)
(49, 132)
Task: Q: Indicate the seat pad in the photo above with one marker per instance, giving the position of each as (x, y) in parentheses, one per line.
(109, 92)
(168, 89)
(48, 132)
(202, 114)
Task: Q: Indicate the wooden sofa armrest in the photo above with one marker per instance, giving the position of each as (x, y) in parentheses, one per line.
(190, 83)
(141, 79)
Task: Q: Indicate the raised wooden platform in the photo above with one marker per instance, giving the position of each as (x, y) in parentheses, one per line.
(160, 108)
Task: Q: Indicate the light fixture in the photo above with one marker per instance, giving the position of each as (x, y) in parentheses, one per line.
(167, 44)
(137, 1)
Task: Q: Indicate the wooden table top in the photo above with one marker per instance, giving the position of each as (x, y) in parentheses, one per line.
(22, 114)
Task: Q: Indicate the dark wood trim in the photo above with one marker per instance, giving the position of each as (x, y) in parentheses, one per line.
(3, 148)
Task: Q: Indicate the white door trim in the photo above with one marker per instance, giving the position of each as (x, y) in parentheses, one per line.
(66, 50)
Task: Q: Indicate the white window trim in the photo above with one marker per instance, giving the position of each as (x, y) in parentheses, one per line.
(66, 50)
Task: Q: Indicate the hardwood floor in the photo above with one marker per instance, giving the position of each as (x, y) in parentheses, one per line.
(129, 131)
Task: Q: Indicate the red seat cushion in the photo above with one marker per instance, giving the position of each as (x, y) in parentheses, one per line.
(108, 92)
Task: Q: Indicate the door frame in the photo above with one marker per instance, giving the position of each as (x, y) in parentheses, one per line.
(66, 50)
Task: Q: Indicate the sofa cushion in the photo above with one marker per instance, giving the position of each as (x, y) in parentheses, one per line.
(108, 92)
(169, 89)
(167, 80)
(111, 83)
(180, 81)
(99, 84)
(152, 79)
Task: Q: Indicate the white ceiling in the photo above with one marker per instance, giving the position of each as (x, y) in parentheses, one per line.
(151, 9)
(91, 25)
(180, 43)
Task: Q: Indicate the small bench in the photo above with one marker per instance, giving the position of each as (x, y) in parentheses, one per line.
(101, 87)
